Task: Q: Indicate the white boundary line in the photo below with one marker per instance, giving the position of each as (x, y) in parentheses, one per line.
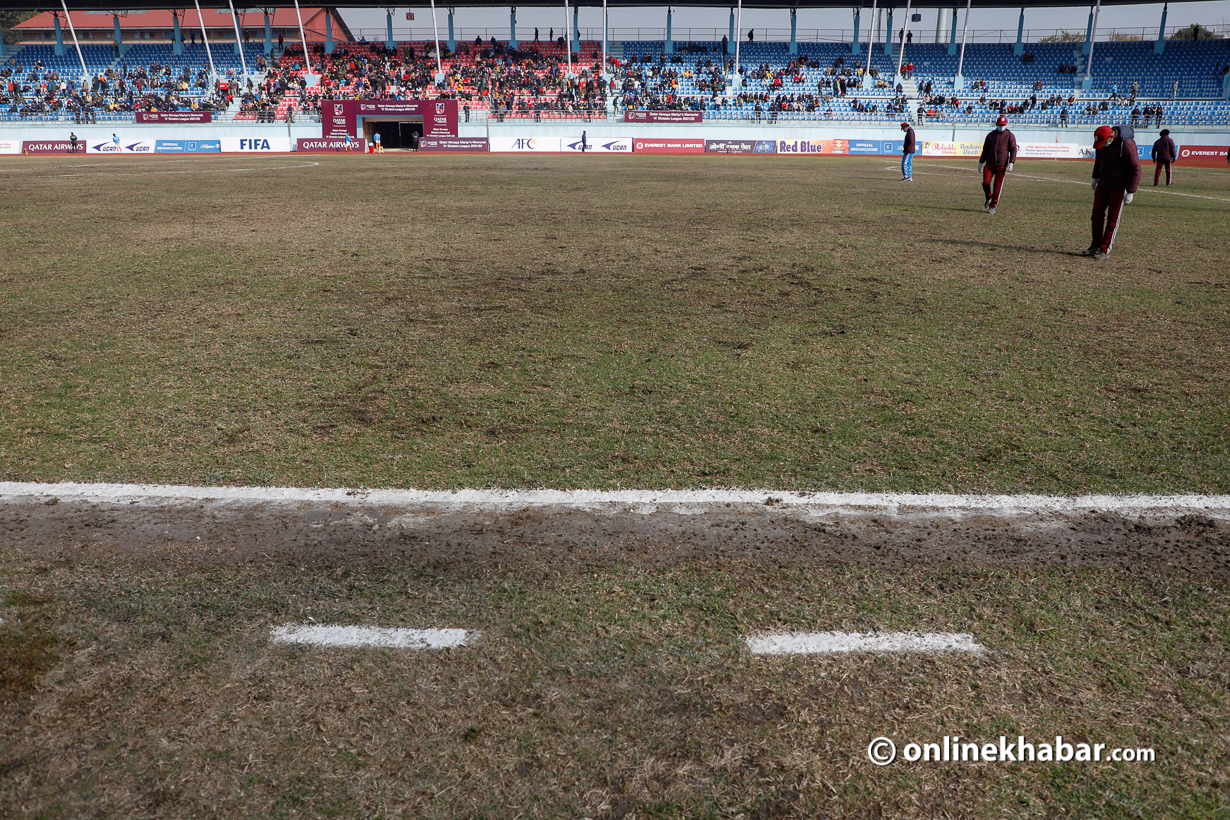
(818, 643)
(1078, 182)
(643, 500)
(325, 635)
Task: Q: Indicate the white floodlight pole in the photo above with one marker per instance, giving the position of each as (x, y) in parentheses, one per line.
(961, 60)
(901, 45)
(307, 59)
(568, 30)
(865, 81)
(738, 39)
(435, 33)
(238, 40)
(604, 54)
(205, 39)
(84, 71)
(1097, 6)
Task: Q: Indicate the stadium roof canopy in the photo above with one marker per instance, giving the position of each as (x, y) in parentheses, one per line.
(110, 5)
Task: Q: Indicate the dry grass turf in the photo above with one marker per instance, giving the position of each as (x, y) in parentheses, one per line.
(789, 323)
(647, 322)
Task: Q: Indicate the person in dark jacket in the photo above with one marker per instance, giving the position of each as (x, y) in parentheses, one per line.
(1116, 176)
(1165, 152)
(907, 153)
(997, 158)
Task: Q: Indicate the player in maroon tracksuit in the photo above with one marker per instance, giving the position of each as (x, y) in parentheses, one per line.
(998, 155)
(1116, 176)
(1165, 152)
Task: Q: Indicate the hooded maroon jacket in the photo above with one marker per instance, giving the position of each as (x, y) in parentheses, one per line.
(999, 149)
(1118, 165)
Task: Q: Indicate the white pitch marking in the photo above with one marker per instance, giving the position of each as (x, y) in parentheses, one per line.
(205, 171)
(646, 501)
(323, 635)
(818, 643)
(1081, 182)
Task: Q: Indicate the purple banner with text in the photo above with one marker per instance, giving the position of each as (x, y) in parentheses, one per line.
(175, 117)
(663, 116)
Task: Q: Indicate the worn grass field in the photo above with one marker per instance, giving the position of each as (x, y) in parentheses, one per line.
(608, 322)
(569, 322)
(617, 693)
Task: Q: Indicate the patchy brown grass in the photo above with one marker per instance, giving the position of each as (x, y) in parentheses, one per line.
(623, 321)
(623, 692)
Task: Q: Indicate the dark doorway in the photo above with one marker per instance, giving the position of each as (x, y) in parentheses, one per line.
(410, 132)
(394, 134)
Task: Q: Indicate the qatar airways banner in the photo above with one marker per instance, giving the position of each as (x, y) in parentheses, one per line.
(340, 117)
(328, 145)
(50, 147)
(175, 117)
(663, 116)
(813, 147)
(455, 145)
(657, 145)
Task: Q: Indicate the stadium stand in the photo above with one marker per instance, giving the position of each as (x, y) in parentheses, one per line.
(822, 82)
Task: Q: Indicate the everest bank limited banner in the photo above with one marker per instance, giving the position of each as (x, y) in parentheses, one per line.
(1204, 154)
(340, 117)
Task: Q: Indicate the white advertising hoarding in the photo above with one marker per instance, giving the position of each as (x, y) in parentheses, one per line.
(529, 145)
(256, 144)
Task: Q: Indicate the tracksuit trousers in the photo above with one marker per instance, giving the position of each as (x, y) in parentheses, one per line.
(993, 174)
(1107, 205)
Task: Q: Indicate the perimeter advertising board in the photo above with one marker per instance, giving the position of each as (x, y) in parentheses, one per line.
(1203, 153)
(454, 145)
(874, 147)
(1047, 150)
(656, 145)
(50, 147)
(951, 149)
(122, 147)
(256, 145)
(597, 146)
(525, 145)
(740, 146)
(341, 117)
(187, 146)
(813, 147)
(10, 147)
(328, 145)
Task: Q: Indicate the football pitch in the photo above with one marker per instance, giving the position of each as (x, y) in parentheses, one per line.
(759, 332)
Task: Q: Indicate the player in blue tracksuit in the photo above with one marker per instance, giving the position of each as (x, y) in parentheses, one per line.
(907, 153)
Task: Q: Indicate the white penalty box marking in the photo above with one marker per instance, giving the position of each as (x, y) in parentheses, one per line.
(821, 643)
(353, 636)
